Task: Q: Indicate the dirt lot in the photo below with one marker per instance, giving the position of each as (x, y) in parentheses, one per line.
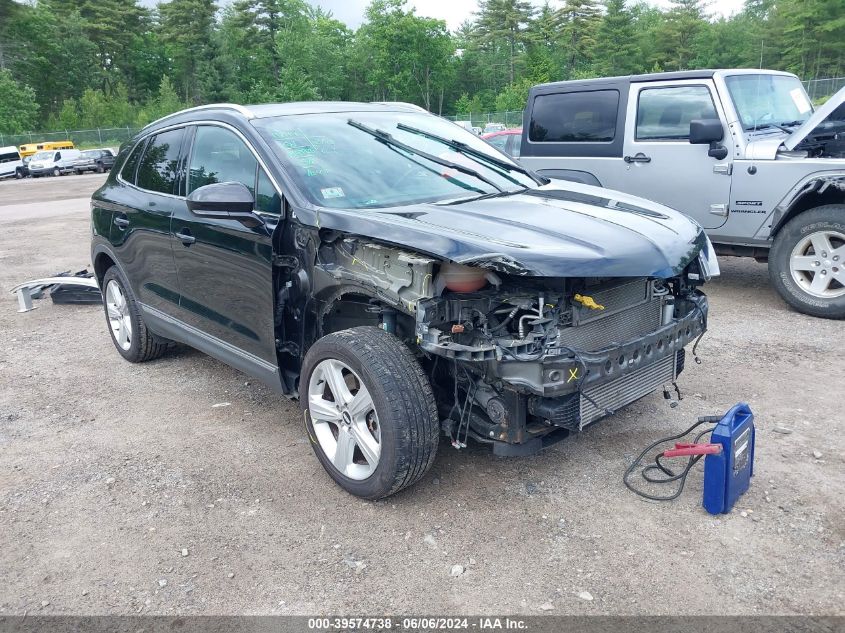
(124, 489)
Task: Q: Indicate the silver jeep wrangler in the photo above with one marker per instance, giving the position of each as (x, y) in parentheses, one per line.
(743, 152)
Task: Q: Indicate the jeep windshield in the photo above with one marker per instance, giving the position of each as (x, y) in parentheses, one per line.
(769, 101)
(344, 159)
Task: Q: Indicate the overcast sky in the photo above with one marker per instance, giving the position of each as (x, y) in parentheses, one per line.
(456, 11)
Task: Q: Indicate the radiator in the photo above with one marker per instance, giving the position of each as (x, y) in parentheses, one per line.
(613, 329)
(626, 389)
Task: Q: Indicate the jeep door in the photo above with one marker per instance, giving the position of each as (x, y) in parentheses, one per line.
(142, 204)
(660, 164)
(225, 266)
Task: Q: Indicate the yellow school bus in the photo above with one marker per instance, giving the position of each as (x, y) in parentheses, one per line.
(30, 148)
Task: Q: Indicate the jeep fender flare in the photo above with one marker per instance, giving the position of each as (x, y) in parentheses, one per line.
(806, 195)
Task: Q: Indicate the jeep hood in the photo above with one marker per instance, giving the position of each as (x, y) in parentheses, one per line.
(820, 122)
(553, 231)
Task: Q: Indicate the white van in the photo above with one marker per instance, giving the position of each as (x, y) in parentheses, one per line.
(10, 161)
(55, 162)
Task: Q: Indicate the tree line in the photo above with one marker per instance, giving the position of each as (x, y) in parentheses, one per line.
(73, 64)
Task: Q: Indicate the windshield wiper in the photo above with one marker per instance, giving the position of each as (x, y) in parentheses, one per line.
(387, 139)
(463, 148)
(792, 123)
(486, 196)
(766, 126)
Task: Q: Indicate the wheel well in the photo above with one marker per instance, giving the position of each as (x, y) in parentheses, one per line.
(101, 264)
(347, 311)
(811, 200)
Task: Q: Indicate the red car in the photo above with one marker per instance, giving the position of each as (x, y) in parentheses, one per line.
(507, 141)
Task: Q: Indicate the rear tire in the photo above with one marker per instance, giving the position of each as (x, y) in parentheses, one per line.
(128, 331)
(807, 262)
(380, 434)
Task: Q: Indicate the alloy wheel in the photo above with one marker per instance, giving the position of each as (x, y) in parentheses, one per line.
(118, 314)
(344, 419)
(817, 264)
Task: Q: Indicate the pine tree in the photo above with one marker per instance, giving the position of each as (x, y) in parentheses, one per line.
(580, 22)
(187, 29)
(506, 20)
(616, 50)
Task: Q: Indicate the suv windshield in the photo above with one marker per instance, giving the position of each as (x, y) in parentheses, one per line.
(766, 101)
(338, 163)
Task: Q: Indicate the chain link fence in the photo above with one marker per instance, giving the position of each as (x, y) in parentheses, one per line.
(821, 88)
(510, 118)
(99, 137)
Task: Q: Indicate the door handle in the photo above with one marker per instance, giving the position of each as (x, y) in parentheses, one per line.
(639, 157)
(121, 222)
(185, 237)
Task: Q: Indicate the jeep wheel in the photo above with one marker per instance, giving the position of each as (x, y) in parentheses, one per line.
(369, 411)
(807, 262)
(126, 326)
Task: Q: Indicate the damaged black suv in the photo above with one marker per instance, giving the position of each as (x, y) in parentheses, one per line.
(398, 275)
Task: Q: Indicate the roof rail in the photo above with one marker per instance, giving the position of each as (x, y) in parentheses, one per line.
(209, 106)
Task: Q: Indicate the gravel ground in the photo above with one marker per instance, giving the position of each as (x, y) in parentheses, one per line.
(124, 489)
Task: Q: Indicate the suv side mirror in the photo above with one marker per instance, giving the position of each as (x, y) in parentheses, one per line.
(708, 131)
(223, 200)
(705, 131)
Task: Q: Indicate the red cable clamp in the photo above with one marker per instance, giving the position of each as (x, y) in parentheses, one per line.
(683, 449)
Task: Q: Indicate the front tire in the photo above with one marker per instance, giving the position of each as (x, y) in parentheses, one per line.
(807, 262)
(369, 411)
(128, 331)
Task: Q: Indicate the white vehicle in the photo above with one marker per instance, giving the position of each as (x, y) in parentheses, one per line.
(53, 162)
(10, 162)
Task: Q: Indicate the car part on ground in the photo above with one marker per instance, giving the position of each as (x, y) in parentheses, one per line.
(431, 285)
(81, 287)
(741, 151)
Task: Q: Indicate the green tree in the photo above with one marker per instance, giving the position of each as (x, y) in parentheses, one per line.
(616, 47)
(187, 29)
(683, 23)
(580, 24)
(18, 108)
(508, 21)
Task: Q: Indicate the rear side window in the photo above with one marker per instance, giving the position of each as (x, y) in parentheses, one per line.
(575, 117)
(664, 114)
(131, 164)
(219, 155)
(159, 167)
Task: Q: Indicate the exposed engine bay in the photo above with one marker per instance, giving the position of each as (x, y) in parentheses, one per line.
(519, 361)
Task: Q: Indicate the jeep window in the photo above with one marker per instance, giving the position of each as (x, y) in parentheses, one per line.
(575, 117)
(766, 101)
(664, 114)
(131, 164)
(159, 166)
(219, 155)
(339, 165)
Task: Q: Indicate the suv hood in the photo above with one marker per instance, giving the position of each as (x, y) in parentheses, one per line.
(820, 122)
(553, 231)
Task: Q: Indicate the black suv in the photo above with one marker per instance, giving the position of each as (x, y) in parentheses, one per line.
(398, 275)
